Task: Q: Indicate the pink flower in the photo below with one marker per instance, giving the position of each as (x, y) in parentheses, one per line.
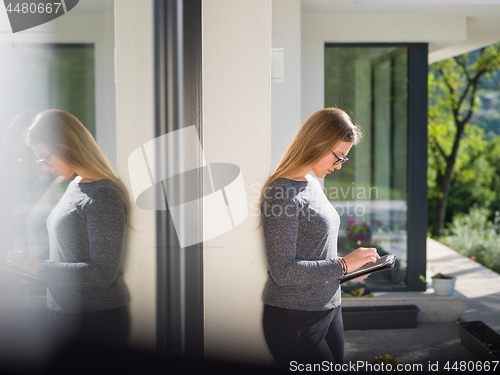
(473, 258)
(350, 222)
(492, 265)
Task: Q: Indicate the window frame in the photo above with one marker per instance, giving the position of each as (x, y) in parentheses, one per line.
(179, 294)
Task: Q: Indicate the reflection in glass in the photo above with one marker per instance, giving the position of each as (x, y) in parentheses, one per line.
(34, 77)
(37, 77)
(370, 192)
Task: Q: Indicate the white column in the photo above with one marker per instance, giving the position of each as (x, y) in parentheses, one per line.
(237, 129)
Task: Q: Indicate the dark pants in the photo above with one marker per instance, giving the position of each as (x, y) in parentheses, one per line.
(304, 336)
(106, 326)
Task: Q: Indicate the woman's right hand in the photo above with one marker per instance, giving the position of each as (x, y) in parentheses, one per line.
(359, 257)
(23, 261)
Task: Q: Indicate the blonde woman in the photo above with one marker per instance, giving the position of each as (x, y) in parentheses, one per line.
(302, 316)
(86, 294)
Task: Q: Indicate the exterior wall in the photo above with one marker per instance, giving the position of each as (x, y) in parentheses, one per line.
(135, 119)
(236, 129)
(285, 97)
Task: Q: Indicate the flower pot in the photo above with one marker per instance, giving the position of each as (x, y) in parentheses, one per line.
(480, 339)
(443, 287)
(379, 317)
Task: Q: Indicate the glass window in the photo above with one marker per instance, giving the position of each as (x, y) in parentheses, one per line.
(41, 76)
(370, 192)
(65, 64)
(37, 77)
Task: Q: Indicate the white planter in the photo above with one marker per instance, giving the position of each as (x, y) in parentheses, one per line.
(444, 287)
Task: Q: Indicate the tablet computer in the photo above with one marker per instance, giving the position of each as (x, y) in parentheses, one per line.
(384, 263)
(8, 271)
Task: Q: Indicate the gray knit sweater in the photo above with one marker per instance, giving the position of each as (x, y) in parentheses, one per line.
(300, 231)
(86, 234)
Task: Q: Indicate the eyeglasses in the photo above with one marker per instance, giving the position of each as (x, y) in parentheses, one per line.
(44, 160)
(339, 160)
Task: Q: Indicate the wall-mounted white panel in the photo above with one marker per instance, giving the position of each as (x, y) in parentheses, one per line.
(277, 65)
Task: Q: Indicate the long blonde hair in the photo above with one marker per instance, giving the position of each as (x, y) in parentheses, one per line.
(66, 137)
(322, 132)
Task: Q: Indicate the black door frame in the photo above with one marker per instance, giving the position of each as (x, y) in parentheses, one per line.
(177, 60)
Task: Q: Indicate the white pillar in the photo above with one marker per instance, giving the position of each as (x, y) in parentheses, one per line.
(236, 106)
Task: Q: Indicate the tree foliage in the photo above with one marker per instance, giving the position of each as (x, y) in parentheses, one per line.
(460, 168)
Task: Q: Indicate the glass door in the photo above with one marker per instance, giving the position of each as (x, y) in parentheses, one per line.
(370, 192)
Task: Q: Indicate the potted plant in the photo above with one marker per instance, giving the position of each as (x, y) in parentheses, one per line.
(358, 233)
(443, 285)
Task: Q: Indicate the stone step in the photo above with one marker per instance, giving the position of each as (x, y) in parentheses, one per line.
(433, 308)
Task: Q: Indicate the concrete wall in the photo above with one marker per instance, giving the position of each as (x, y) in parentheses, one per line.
(135, 119)
(236, 126)
(285, 97)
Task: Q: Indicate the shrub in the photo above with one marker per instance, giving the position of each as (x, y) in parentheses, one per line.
(475, 237)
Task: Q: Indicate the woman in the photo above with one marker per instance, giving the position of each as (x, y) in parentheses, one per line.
(302, 318)
(86, 294)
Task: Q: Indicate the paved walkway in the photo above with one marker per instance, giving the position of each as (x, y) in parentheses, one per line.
(479, 284)
(435, 342)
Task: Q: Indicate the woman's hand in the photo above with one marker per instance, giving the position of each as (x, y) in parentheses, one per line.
(23, 261)
(359, 257)
(362, 277)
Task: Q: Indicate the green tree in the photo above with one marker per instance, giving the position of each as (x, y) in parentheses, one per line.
(453, 88)
(473, 177)
(493, 157)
